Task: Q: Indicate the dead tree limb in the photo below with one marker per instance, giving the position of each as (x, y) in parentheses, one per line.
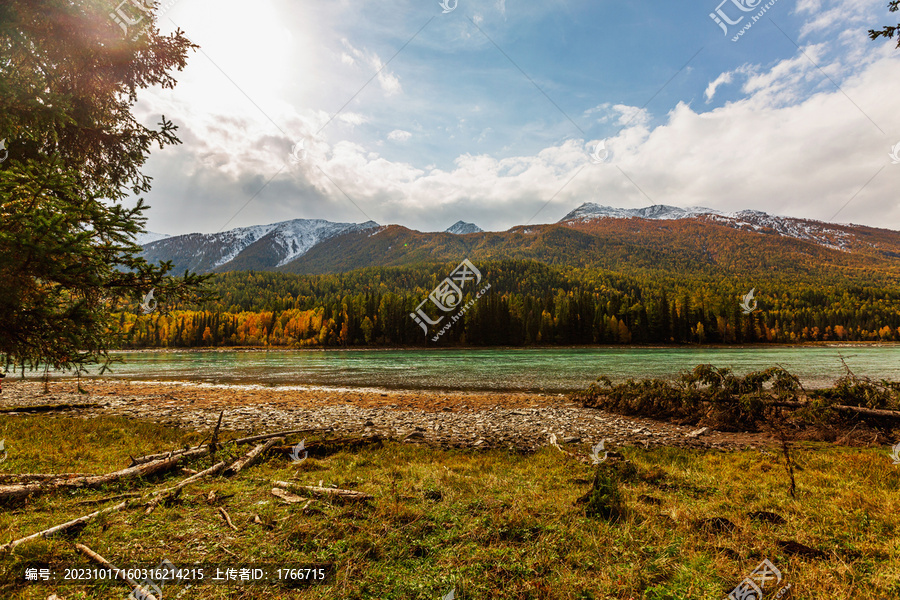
(62, 527)
(145, 594)
(869, 412)
(239, 441)
(12, 492)
(215, 436)
(42, 476)
(251, 457)
(334, 493)
(266, 436)
(163, 495)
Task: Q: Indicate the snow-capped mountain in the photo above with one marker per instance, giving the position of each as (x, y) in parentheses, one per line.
(589, 235)
(590, 211)
(801, 229)
(824, 234)
(256, 247)
(146, 237)
(462, 228)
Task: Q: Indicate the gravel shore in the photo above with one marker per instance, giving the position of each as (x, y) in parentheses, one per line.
(519, 421)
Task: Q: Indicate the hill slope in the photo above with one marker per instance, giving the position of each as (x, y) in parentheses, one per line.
(694, 240)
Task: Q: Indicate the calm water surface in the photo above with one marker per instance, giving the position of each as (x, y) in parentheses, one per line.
(549, 370)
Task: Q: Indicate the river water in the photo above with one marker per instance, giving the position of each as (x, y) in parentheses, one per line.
(555, 370)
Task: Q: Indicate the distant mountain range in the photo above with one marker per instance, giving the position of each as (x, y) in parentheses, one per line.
(655, 237)
(261, 247)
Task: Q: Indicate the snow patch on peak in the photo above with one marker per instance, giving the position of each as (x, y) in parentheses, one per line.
(236, 240)
(820, 233)
(462, 228)
(812, 231)
(147, 237)
(590, 211)
(297, 237)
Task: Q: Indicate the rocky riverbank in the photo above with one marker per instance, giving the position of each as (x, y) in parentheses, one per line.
(519, 421)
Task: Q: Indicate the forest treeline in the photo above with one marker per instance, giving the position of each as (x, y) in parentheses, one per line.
(529, 303)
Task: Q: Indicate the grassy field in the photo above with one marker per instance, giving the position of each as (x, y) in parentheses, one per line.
(489, 524)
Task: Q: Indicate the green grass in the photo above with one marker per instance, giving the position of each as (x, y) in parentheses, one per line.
(503, 526)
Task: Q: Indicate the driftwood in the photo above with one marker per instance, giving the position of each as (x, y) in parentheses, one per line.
(869, 412)
(334, 493)
(12, 492)
(251, 457)
(62, 527)
(239, 441)
(160, 497)
(227, 518)
(42, 476)
(145, 594)
(287, 497)
(565, 452)
(163, 495)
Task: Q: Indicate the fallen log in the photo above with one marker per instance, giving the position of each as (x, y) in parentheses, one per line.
(62, 527)
(239, 441)
(42, 476)
(251, 457)
(333, 493)
(869, 412)
(12, 492)
(163, 495)
(144, 594)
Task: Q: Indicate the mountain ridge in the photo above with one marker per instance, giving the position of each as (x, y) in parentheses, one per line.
(597, 235)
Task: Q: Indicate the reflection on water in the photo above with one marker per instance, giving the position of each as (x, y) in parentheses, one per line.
(549, 370)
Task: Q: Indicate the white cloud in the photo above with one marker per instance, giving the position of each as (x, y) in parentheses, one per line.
(398, 135)
(724, 78)
(352, 118)
(792, 144)
(805, 158)
(390, 83)
(842, 13)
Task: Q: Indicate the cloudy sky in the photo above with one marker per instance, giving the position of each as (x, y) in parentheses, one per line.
(399, 112)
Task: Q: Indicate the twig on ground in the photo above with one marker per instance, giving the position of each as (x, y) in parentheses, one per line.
(145, 594)
(251, 457)
(102, 500)
(348, 495)
(164, 495)
(789, 461)
(62, 527)
(227, 518)
(240, 441)
(215, 436)
(43, 476)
